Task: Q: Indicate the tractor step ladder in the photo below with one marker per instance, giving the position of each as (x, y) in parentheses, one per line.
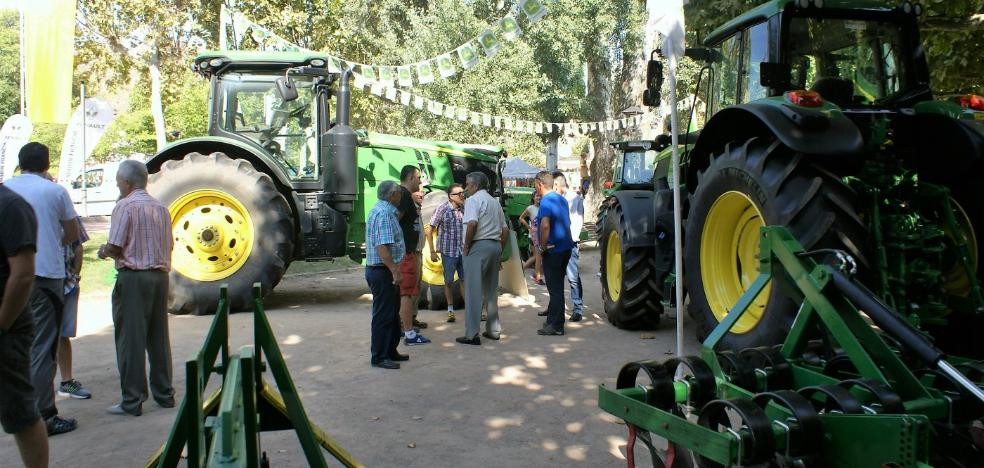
(223, 430)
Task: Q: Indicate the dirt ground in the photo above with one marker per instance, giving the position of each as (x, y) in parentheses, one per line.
(524, 401)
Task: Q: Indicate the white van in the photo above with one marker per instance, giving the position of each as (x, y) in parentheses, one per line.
(100, 190)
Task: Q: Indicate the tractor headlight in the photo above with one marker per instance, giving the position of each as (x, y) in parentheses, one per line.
(216, 62)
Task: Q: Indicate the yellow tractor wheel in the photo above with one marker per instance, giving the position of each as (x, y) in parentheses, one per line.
(746, 186)
(629, 287)
(229, 225)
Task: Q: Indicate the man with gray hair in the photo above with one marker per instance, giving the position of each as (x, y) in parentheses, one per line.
(384, 252)
(486, 232)
(140, 243)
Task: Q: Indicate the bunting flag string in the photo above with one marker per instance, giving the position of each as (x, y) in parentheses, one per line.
(409, 99)
(442, 66)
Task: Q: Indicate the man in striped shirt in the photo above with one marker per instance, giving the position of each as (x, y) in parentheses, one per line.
(447, 222)
(140, 243)
(384, 252)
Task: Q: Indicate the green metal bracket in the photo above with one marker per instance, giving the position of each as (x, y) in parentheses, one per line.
(223, 431)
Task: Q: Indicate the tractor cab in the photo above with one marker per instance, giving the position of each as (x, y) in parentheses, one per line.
(634, 168)
(275, 102)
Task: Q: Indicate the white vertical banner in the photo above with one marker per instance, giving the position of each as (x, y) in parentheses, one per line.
(98, 115)
(15, 134)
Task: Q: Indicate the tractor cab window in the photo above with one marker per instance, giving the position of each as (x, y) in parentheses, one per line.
(638, 167)
(93, 178)
(252, 109)
(755, 51)
(726, 74)
(848, 61)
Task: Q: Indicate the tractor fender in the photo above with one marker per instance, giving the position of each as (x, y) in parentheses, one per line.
(637, 207)
(828, 135)
(235, 149)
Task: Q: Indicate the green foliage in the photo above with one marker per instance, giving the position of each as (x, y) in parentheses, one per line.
(51, 135)
(131, 132)
(187, 116)
(9, 64)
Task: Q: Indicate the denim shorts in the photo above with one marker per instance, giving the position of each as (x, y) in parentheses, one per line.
(452, 265)
(18, 404)
(70, 314)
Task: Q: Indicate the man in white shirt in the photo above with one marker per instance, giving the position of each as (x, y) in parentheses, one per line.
(486, 232)
(575, 203)
(57, 227)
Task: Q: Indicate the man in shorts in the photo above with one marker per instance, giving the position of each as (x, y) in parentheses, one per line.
(447, 222)
(409, 216)
(18, 407)
(73, 274)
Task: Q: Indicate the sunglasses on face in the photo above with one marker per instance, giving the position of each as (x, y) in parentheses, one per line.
(457, 193)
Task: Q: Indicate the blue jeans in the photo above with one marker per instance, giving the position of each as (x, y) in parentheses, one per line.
(554, 264)
(574, 279)
(385, 325)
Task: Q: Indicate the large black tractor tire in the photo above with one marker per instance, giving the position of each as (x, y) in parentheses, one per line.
(628, 282)
(748, 185)
(230, 226)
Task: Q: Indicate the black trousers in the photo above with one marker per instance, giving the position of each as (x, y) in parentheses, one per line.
(555, 271)
(142, 334)
(385, 326)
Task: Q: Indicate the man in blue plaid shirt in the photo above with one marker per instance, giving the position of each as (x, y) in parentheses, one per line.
(384, 252)
(447, 222)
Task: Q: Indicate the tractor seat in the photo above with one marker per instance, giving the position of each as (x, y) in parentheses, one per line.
(837, 90)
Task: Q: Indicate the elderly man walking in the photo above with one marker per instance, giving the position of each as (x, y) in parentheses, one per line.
(140, 243)
(486, 232)
(56, 228)
(384, 252)
(447, 221)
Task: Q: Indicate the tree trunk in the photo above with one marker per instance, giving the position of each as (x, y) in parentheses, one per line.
(600, 168)
(156, 108)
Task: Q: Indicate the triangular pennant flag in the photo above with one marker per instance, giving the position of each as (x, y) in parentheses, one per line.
(436, 108)
(358, 80)
(376, 89)
(490, 43)
(476, 118)
(405, 98)
(539, 127)
(425, 72)
(510, 28)
(508, 123)
(487, 120)
(391, 93)
(418, 102)
(405, 76)
(445, 66)
(387, 75)
(450, 112)
(369, 72)
(462, 114)
(467, 56)
(533, 9)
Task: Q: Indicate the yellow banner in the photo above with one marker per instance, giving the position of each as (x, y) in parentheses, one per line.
(49, 49)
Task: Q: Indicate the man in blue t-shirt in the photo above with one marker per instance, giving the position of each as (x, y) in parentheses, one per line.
(554, 224)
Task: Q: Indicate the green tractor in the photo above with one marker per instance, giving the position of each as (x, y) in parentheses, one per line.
(277, 179)
(820, 119)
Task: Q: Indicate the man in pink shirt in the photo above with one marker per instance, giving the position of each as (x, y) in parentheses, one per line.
(140, 243)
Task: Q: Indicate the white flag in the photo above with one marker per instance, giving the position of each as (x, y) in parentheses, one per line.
(98, 115)
(476, 118)
(666, 17)
(486, 120)
(405, 98)
(418, 102)
(15, 133)
(391, 93)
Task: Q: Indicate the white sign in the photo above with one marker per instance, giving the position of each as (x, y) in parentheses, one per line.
(15, 133)
(98, 115)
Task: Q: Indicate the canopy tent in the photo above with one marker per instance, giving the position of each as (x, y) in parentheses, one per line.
(515, 168)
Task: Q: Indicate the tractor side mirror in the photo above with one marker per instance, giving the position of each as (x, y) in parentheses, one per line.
(654, 82)
(286, 89)
(775, 75)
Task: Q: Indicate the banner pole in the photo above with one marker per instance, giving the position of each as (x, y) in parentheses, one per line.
(85, 184)
(23, 67)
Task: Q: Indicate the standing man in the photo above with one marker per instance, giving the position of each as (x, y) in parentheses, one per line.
(555, 247)
(486, 233)
(409, 268)
(18, 407)
(447, 222)
(140, 243)
(73, 275)
(384, 252)
(57, 227)
(575, 206)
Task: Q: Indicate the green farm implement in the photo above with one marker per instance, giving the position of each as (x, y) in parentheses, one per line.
(223, 429)
(853, 384)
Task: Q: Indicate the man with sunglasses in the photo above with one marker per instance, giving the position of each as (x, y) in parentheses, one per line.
(447, 222)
